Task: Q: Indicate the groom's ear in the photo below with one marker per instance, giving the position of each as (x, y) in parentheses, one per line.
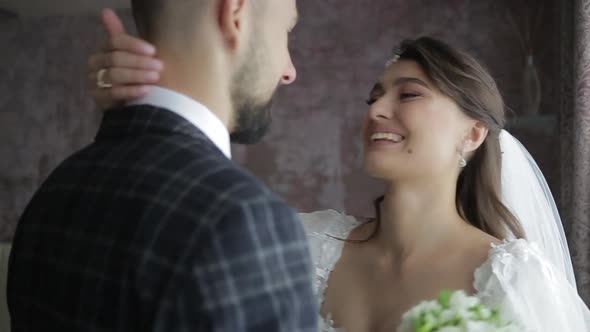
(233, 21)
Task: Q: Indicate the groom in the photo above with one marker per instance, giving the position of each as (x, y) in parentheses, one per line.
(152, 227)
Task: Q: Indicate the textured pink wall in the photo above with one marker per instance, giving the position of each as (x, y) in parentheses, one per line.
(313, 155)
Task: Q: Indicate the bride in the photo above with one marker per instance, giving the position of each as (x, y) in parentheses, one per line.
(465, 208)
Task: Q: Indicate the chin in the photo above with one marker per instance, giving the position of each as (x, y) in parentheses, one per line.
(388, 166)
(379, 169)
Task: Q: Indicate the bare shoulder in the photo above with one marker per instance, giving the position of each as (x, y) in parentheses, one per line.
(482, 245)
(474, 251)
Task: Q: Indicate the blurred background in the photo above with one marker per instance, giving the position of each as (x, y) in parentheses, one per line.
(536, 50)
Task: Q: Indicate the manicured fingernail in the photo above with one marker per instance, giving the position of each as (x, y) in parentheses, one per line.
(149, 49)
(157, 65)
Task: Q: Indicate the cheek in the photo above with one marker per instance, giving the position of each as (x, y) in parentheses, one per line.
(419, 114)
(432, 134)
(271, 52)
(280, 49)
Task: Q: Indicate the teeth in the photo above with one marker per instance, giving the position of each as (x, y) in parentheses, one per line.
(387, 136)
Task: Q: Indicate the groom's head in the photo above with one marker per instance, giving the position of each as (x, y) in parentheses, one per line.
(241, 46)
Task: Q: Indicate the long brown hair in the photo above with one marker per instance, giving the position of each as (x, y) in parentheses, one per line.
(460, 77)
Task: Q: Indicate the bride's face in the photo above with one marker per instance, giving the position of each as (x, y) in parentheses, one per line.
(411, 129)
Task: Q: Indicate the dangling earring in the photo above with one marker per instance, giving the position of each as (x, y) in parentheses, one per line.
(461, 151)
(462, 162)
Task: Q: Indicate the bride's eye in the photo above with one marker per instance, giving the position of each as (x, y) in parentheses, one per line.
(408, 95)
(373, 98)
(371, 101)
(376, 93)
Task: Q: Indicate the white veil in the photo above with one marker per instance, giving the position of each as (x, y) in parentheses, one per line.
(541, 291)
(526, 193)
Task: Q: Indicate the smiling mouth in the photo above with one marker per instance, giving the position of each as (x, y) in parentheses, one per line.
(386, 137)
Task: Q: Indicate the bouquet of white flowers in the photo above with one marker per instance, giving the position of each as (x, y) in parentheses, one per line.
(455, 312)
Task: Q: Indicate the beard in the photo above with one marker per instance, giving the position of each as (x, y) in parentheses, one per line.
(253, 119)
(252, 110)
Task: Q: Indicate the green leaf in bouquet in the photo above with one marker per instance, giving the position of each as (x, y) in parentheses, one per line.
(444, 298)
(425, 323)
(479, 312)
(496, 318)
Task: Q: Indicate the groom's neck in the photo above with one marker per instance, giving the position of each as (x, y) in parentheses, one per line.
(200, 78)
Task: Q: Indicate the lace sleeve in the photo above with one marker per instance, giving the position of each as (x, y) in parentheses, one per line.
(323, 228)
(527, 289)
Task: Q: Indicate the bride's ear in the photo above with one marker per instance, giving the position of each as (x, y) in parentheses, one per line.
(475, 137)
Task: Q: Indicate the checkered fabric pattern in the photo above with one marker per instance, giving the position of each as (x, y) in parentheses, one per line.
(152, 228)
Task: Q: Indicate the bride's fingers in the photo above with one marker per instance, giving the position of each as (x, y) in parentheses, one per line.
(119, 38)
(119, 59)
(129, 44)
(112, 22)
(121, 76)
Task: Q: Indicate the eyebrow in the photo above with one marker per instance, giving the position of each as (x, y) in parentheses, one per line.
(403, 80)
(377, 87)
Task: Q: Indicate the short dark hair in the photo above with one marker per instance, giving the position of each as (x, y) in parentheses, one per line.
(150, 20)
(145, 14)
(150, 15)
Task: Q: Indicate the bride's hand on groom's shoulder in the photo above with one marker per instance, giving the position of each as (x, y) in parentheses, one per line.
(128, 63)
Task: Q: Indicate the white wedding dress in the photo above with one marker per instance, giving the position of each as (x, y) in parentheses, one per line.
(515, 278)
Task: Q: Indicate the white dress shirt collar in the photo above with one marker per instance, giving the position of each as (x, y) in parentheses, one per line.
(192, 111)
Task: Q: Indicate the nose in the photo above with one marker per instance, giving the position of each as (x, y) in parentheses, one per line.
(290, 73)
(381, 110)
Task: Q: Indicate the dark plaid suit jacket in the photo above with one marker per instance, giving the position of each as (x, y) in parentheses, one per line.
(152, 228)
